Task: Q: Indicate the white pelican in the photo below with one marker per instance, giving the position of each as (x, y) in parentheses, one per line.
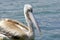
(18, 31)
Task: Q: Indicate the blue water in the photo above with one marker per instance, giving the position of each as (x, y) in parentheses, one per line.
(46, 12)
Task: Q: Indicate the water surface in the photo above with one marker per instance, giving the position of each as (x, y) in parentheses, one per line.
(46, 12)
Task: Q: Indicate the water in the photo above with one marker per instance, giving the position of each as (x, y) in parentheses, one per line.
(46, 12)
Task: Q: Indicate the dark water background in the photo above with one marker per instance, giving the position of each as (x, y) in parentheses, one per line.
(46, 12)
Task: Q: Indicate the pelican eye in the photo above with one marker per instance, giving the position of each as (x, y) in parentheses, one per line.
(30, 10)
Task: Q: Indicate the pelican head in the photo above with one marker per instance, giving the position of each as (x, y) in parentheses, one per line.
(27, 8)
(30, 19)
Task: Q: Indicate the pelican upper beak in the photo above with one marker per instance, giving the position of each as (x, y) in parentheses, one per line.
(34, 22)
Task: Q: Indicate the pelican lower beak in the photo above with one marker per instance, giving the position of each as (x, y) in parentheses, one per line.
(34, 21)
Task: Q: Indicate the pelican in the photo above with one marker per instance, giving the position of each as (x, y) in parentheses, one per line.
(16, 30)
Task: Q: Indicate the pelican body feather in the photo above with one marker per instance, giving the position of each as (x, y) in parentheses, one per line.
(12, 28)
